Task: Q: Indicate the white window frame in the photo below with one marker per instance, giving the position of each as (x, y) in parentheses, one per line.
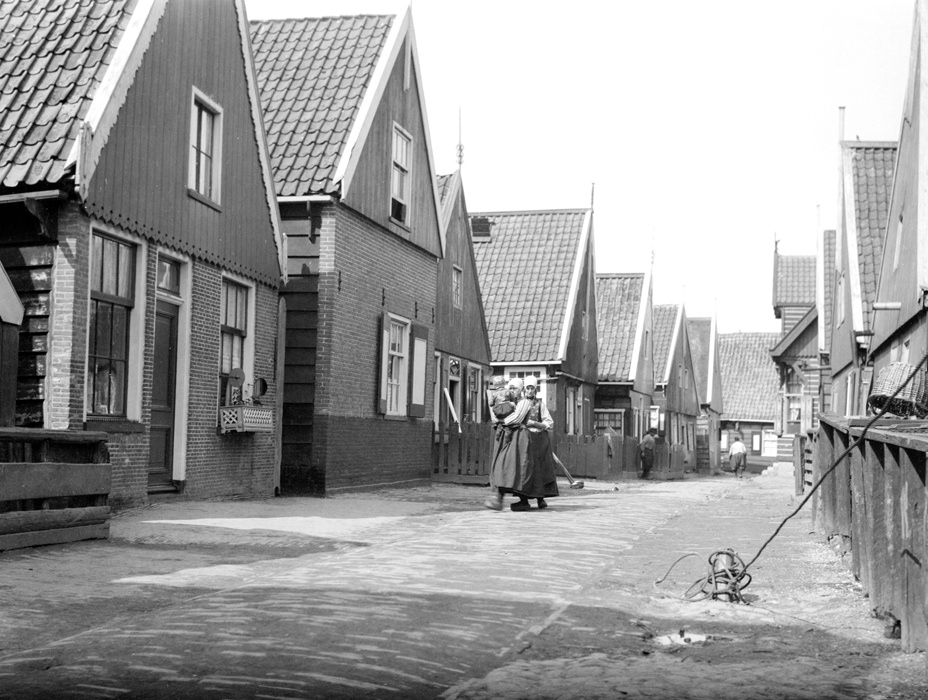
(199, 100)
(136, 354)
(397, 403)
(248, 344)
(457, 284)
(400, 134)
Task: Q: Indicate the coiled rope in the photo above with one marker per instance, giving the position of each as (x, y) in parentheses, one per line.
(727, 581)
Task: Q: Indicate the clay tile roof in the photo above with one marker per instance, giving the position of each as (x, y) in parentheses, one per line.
(795, 281)
(312, 75)
(828, 272)
(663, 317)
(618, 303)
(699, 332)
(749, 377)
(525, 269)
(52, 56)
(872, 166)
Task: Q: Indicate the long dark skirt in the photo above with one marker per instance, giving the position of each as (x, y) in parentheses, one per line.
(523, 464)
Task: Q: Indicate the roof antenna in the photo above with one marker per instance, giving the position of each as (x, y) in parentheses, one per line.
(460, 147)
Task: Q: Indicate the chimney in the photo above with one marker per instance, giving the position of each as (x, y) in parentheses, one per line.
(480, 228)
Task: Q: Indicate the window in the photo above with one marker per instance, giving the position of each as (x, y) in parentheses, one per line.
(234, 332)
(203, 177)
(457, 280)
(112, 298)
(403, 353)
(402, 145)
(605, 418)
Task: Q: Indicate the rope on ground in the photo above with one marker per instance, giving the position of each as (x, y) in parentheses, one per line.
(727, 575)
(724, 579)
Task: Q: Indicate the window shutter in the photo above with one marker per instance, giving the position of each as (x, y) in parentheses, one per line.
(418, 350)
(384, 359)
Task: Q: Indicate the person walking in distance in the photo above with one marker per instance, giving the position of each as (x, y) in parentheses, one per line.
(646, 447)
(738, 457)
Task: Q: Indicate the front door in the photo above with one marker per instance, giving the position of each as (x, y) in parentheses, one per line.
(161, 454)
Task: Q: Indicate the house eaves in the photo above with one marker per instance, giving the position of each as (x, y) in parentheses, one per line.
(360, 129)
(782, 347)
(639, 326)
(586, 241)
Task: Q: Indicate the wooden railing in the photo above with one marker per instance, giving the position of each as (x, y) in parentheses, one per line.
(54, 486)
(873, 503)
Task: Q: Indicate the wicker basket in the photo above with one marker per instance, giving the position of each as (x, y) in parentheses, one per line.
(912, 399)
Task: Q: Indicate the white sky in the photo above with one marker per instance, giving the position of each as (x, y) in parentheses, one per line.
(710, 129)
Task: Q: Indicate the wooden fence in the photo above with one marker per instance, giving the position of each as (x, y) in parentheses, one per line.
(464, 456)
(54, 486)
(875, 502)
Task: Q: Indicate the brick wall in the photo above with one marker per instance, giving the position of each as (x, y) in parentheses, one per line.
(364, 272)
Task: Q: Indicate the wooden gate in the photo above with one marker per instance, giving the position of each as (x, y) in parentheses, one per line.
(462, 454)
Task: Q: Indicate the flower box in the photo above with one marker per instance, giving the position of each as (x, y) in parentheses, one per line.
(246, 419)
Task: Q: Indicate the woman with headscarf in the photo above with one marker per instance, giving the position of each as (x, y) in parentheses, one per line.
(523, 461)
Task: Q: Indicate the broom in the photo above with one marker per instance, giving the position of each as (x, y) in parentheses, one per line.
(574, 483)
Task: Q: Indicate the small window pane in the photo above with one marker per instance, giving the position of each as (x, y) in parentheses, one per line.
(104, 324)
(126, 265)
(110, 263)
(169, 275)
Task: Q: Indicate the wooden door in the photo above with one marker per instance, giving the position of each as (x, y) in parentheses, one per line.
(161, 453)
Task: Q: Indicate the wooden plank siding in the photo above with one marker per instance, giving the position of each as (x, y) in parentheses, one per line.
(29, 266)
(140, 183)
(302, 297)
(369, 193)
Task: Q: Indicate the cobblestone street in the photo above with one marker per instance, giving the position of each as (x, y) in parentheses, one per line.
(423, 593)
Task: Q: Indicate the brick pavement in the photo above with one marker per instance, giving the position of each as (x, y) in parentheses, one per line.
(421, 593)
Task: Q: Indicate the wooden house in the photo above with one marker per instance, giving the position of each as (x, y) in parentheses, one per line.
(749, 384)
(675, 395)
(537, 277)
(142, 239)
(11, 316)
(625, 391)
(824, 302)
(864, 192)
(897, 318)
(704, 341)
(358, 196)
(462, 344)
(796, 353)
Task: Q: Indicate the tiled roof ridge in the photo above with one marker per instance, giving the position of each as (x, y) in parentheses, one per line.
(519, 212)
(359, 15)
(616, 275)
(870, 144)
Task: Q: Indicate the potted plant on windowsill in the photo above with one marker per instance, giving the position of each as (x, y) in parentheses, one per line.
(244, 413)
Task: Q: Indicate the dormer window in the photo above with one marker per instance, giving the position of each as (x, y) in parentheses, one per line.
(204, 169)
(399, 196)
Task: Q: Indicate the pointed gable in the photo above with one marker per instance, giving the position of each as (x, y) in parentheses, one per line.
(54, 57)
(619, 299)
(313, 75)
(664, 327)
(529, 273)
(750, 383)
(867, 174)
(699, 331)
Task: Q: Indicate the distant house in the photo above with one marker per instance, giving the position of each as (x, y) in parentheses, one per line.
(796, 353)
(675, 392)
(824, 303)
(749, 384)
(462, 345)
(625, 391)
(704, 345)
(357, 189)
(536, 272)
(142, 239)
(864, 193)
